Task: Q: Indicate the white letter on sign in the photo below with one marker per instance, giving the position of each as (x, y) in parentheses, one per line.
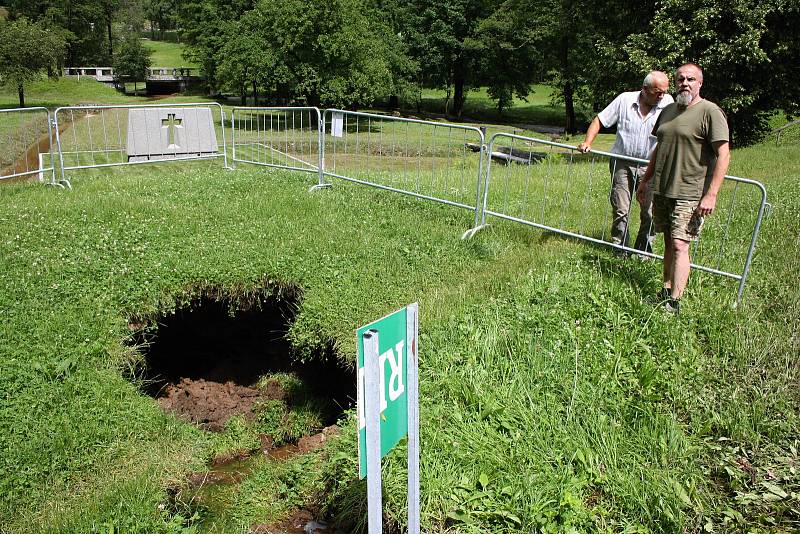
(396, 386)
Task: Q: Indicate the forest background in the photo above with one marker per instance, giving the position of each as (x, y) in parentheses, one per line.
(354, 53)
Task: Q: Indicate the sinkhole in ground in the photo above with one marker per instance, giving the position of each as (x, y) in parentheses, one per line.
(217, 358)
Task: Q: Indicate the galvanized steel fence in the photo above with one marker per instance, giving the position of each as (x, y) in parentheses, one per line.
(288, 138)
(26, 144)
(540, 183)
(105, 136)
(424, 159)
(552, 186)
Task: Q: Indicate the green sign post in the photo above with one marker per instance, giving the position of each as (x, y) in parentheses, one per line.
(392, 350)
(388, 406)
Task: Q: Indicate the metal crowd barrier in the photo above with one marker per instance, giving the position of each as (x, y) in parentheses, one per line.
(541, 183)
(554, 187)
(26, 145)
(281, 137)
(424, 159)
(98, 136)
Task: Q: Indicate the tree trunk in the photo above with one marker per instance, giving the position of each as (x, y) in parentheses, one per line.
(255, 94)
(459, 83)
(458, 99)
(243, 94)
(569, 108)
(313, 99)
(21, 92)
(110, 39)
(569, 89)
(458, 96)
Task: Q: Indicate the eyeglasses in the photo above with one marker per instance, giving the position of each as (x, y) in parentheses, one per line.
(657, 92)
(680, 79)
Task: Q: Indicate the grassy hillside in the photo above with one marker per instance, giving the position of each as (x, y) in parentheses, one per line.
(64, 92)
(536, 108)
(555, 395)
(167, 54)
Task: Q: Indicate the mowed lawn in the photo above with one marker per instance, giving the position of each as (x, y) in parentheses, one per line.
(555, 394)
(166, 54)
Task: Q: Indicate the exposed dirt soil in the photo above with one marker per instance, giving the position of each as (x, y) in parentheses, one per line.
(161, 97)
(210, 404)
(206, 363)
(203, 361)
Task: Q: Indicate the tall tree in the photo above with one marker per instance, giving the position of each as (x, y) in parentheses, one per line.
(748, 50)
(443, 39)
(574, 45)
(245, 61)
(326, 52)
(204, 25)
(132, 60)
(510, 60)
(27, 52)
(109, 9)
(84, 20)
(131, 16)
(163, 15)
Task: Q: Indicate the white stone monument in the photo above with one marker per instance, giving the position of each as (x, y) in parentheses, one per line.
(169, 133)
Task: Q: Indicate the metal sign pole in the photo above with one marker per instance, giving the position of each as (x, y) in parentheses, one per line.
(372, 413)
(412, 314)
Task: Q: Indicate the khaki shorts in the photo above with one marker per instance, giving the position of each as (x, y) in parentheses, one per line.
(677, 217)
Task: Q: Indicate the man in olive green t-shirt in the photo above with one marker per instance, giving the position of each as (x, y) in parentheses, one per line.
(688, 167)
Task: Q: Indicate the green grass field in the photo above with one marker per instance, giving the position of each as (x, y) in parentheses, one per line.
(65, 92)
(555, 395)
(536, 108)
(166, 54)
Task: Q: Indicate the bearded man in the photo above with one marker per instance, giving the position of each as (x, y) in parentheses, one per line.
(687, 167)
(634, 113)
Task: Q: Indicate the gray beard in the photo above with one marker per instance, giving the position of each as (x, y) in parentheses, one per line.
(683, 99)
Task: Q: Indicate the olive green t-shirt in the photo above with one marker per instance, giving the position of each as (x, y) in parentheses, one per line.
(685, 157)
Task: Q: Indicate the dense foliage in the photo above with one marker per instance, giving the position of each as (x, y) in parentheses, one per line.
(357, 52)
(332, 53)
(27, 51)
(132, 60)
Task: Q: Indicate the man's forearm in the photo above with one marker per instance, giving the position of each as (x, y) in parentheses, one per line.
(709, 200)
(720, 170)
(591, 134)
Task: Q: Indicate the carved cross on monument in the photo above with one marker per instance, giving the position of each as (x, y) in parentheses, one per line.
(156, 133)
(171, 123)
